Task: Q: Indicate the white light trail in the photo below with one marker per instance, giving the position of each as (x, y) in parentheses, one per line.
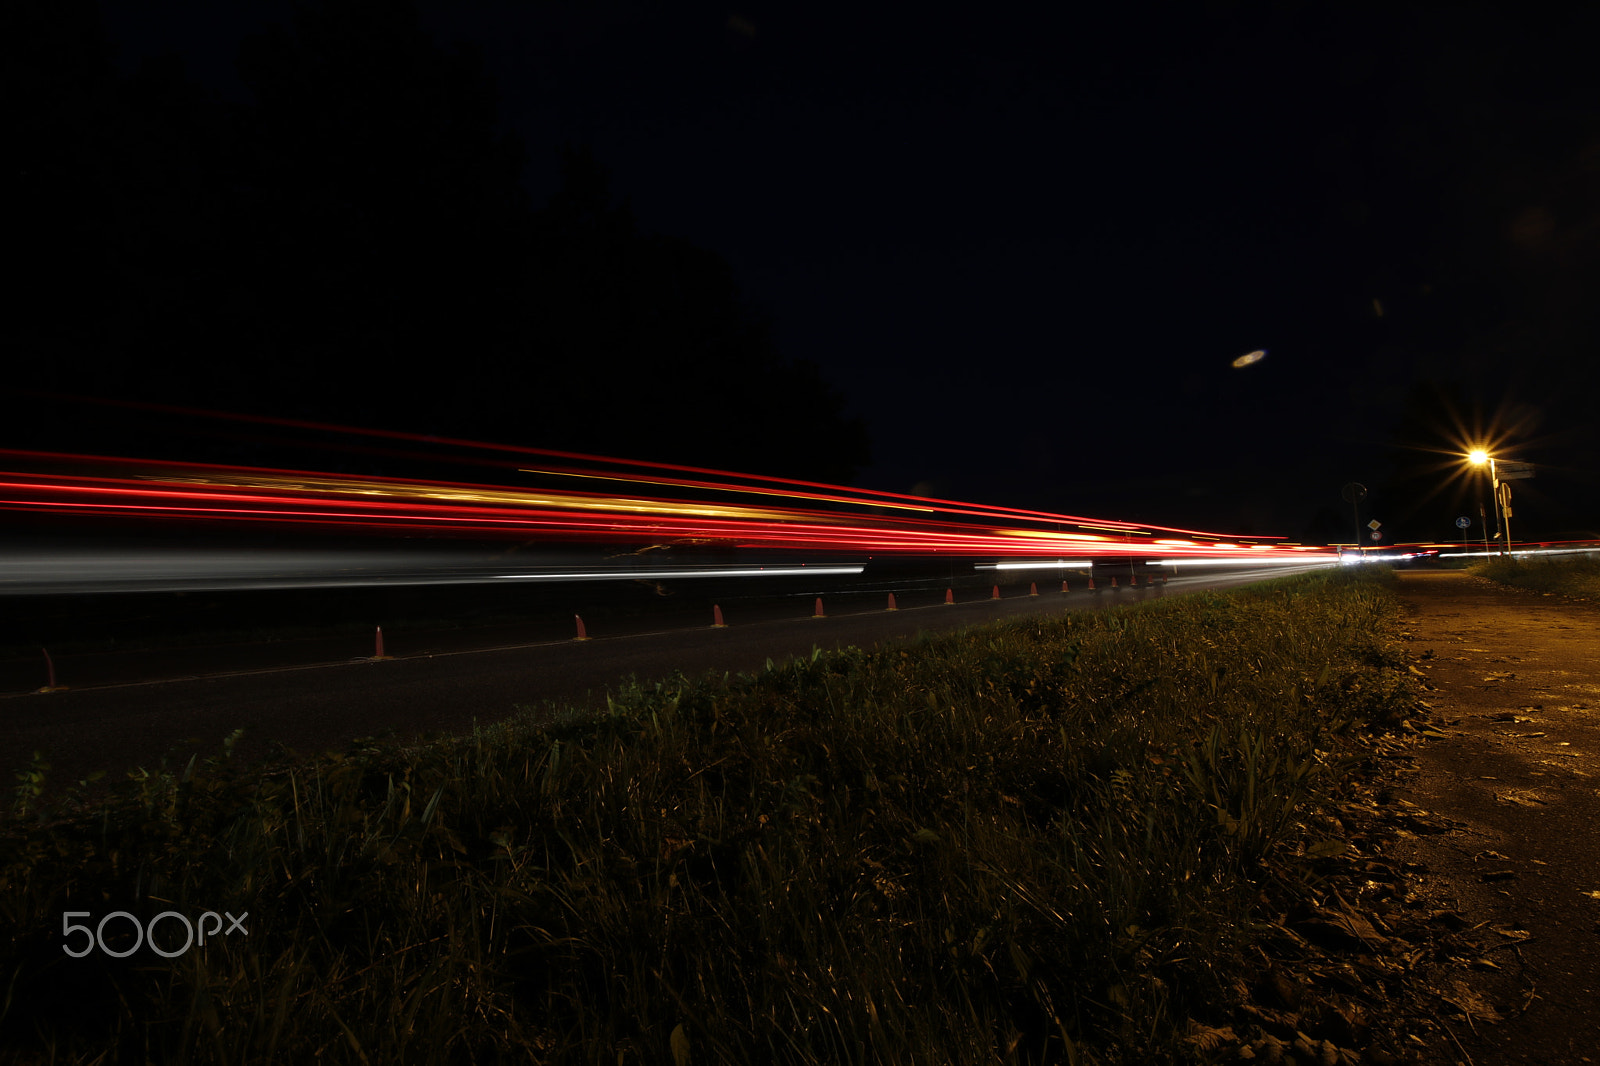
(664, 575)
(26, 572)
(1252, 562)
(1037, 564)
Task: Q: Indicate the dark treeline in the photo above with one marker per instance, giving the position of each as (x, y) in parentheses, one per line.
(355, 245)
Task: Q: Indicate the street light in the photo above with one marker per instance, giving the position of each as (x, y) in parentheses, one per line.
(1479, 457)
(1502, 508)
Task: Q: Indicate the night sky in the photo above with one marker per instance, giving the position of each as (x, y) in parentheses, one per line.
(1028, 243)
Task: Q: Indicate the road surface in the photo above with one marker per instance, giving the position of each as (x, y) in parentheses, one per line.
(118, 711)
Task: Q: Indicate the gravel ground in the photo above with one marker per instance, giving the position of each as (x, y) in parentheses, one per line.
(1506, 793)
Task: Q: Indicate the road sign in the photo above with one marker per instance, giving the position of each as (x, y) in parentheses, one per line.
(1374, 524)
(1376, 535)
(1463, 522)
(1513, 471)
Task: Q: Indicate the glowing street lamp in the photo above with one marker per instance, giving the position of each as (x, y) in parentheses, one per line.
(1479, 457)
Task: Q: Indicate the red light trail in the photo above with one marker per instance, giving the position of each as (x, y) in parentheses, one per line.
(596, 500)
(749, 512)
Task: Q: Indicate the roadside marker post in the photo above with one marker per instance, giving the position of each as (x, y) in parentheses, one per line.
(50, 674)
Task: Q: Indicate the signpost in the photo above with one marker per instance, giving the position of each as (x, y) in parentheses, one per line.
(1463, 523)
(1500, 474)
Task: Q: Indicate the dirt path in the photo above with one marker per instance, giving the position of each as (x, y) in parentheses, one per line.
(1514, 687)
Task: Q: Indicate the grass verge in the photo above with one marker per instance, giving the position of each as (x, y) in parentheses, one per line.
(1576, 576)
(1040, 841)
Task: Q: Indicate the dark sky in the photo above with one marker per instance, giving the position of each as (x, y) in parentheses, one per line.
(1028, 243)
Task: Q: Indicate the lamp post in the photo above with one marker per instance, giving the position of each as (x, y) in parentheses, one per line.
(1353, 492)
(1479, 457)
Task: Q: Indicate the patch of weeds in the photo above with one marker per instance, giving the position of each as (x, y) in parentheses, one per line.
(1574, 576)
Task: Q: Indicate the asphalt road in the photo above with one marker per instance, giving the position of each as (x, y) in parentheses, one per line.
(123, 710)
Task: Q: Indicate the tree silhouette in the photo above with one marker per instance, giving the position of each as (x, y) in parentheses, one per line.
(354, 245)
(59, 200)
(382, 209)
(644, 345)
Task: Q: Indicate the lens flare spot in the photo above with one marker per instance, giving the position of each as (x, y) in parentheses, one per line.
(1249, 358)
